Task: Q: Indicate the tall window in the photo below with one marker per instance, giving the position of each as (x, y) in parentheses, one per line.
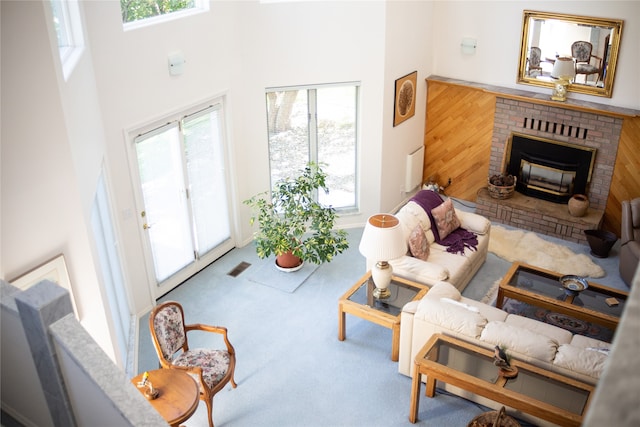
(112, 277)
(316, 124)
(139, 10)
(68, 27)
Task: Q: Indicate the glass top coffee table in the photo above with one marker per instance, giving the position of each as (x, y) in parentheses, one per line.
(544, 394)
(359, 301)
(542, 288)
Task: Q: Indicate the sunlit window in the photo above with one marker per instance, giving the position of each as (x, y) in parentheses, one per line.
(151, 11)
(317, 124)
(68, 28)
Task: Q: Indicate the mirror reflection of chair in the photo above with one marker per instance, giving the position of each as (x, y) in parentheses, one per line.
(212, 369)
(534, 61)
(581, 52)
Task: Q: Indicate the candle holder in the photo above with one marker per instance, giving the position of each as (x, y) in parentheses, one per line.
(149, 392)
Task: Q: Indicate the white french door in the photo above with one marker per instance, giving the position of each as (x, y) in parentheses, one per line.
(185, 215)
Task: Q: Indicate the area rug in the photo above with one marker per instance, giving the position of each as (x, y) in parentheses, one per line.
(573, 325)
(527, 247)
(266, 273)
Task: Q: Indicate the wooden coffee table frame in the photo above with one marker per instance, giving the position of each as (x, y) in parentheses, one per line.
(506, 290)
(366, 312)
(493, 391)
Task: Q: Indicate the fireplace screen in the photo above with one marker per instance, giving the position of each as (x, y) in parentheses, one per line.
(537, 174)
(547, 169)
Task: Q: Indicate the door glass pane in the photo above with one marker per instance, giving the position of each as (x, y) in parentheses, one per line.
(110, 267)
(205, 168)
(288, 119)
(166, 212)
(336, 112)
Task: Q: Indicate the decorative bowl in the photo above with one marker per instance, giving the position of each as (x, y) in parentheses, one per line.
(573, 285)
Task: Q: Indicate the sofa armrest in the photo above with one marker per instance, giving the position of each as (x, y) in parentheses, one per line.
(410, 307)
(634, 248)
(473, 222)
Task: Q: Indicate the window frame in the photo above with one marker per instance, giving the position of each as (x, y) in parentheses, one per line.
(313, 135)
(67, 13)
(200, 6)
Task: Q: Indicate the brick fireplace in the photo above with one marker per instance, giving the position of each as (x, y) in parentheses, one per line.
(578, 128)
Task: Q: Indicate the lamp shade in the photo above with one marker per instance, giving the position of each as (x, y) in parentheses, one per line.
(382, 238)
(563, 68)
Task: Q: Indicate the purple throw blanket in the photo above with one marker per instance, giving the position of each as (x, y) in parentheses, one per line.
(458, 239)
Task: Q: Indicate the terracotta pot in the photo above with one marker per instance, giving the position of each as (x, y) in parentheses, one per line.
(288, 261)
(578, 205)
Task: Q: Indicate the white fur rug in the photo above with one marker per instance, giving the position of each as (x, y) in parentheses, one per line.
(518, 245)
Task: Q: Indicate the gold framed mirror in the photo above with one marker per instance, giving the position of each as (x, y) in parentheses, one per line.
(592, 44)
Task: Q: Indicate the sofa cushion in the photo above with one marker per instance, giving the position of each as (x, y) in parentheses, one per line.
(589, 361)
(517, 339)
(584, 342)
(419, 271)
(452, 317)
(458, 266)
(418, 243)
(561, 336)
(445, 218)
(460, 304)
(487, 311)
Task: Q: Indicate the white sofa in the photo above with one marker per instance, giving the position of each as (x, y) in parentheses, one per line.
(440, 265)
(444, 310)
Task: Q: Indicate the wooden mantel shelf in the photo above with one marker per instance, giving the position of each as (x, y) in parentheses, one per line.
(541, 98)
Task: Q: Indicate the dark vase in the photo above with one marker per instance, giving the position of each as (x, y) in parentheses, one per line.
(600, 242)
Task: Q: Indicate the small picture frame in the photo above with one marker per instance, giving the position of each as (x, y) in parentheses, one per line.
(405, 98)
(54, 270)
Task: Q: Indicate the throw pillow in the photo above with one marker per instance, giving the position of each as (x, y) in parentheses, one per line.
(418, 244)
(445, 218)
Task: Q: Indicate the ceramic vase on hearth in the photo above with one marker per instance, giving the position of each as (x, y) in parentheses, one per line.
(578, 205)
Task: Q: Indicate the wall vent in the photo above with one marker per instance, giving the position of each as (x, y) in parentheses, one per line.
(239, 269)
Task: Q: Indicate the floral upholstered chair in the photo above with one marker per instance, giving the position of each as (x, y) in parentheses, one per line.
(534, 60)
(212, 369)
(581, 52)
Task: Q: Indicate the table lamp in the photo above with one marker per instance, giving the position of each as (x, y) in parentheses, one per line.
(563, 72)
(382, 240)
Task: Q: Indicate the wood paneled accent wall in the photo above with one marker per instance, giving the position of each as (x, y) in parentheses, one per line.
(457, 139)
(458, 131)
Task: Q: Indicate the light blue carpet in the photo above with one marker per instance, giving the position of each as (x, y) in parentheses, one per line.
(266, 273)
(291, 368)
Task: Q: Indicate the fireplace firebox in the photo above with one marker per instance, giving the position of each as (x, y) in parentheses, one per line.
(547, 169)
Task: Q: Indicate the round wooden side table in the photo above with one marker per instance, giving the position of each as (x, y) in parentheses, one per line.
(178, 394)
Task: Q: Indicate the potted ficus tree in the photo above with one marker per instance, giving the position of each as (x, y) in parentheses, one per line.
(293, 224)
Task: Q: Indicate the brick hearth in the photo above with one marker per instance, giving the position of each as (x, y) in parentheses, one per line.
(588, 129)
(529, 213)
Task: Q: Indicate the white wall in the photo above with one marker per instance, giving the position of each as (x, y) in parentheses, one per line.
(56, 135)
(51, 153)
(408, 43)
(237, 50)
(497, 26)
